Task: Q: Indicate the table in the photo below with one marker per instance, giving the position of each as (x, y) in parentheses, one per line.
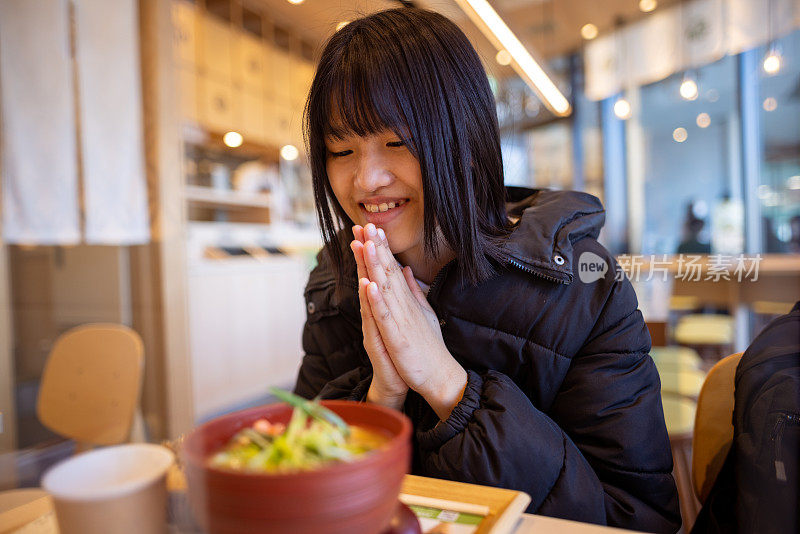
(526, 524)
(539, 524)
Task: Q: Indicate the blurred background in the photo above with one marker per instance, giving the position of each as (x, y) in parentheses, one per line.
(154, 176)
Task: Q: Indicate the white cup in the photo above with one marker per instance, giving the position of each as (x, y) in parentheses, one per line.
(119, 489)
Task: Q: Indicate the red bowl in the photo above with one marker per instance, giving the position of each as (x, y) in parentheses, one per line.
(354, 497)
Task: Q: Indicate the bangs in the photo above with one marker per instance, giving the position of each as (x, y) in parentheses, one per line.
(363, 94)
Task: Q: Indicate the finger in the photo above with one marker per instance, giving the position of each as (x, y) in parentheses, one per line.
(378, 236)
(358, 233)
(358, 252)
(382, 276)
(372, 339)
(387, 326)
(413, 285)
(366, 309)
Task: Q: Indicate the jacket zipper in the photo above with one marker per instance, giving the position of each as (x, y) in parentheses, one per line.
(537, 273)
(777, 438)
(440, 274)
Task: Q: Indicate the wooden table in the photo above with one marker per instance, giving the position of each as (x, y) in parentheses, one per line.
(498, 500)
(539, 524)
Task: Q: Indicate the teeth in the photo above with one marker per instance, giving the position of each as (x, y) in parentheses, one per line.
(383, 207)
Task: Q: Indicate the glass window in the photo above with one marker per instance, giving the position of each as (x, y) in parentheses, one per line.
(691, 163)
(779, 120)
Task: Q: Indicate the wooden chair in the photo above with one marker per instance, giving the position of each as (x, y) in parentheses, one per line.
(711, 335)
(713, 426)
(90, 387)
(679, 415)
(676, 358)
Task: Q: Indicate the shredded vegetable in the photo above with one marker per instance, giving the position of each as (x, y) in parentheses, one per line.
(313, 437)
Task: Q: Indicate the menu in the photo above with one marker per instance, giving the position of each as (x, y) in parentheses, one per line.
(438, 521)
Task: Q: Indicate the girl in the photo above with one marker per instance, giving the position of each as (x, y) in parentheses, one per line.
(442, 294)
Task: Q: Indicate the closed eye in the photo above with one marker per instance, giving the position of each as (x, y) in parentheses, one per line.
(340, 154)
(395, 143)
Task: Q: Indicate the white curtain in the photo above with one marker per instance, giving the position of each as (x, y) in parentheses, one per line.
(686, 36)
(702, 33)
(40, 185)
(109, 84)
(603, 76)
(40, 178)
(653, 47)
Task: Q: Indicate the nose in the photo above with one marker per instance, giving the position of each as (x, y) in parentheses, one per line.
(373, 172)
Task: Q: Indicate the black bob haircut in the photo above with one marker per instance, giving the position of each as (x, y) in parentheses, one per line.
(414, 72)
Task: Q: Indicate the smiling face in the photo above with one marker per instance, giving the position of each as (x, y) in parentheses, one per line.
(376, 179)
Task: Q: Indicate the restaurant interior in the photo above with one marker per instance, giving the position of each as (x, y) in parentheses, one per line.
(157, 196)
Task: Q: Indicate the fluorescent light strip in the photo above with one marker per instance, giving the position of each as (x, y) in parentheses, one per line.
(496, 30)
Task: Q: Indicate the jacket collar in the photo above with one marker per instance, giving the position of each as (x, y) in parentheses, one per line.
(549, 222)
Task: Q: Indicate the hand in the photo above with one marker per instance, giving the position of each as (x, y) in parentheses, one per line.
(409, 328)
(386, 388)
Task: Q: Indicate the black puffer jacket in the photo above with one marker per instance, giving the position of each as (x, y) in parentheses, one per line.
(562, 401)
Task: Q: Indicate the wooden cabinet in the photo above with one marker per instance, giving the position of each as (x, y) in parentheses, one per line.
(283, 66)
(251, 64)
(187, 93)
(216, 53)
(217, 105)
(229, 79)
(184, 17)
(253, 116)
(301, 77)
(279, 118)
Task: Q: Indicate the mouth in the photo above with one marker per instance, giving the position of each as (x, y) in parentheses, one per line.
(381, 211)
(382, 207)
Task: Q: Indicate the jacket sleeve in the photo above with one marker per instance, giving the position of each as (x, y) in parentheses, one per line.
(601, 454)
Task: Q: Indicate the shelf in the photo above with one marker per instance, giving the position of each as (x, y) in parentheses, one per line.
(226, 199)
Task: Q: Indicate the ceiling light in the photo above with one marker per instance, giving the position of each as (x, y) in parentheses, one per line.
(770, 104)
(493, 27)
(647, 5)
(295, 1)
(688, 88)
(679, 134)
(703, 120)
(289, 152)
(589, 31)
(622, 109)
(232, 139)
(503, 57)
(342, 25)
(793, 182)
(772, 62)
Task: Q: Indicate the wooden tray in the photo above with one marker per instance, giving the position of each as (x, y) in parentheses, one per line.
(505, 506)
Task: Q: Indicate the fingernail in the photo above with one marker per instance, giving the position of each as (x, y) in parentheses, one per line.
(381, 233)
(373, 287)
(371, 229)
(370, 248)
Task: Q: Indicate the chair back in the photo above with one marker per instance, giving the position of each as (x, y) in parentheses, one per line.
(713, 426)
(90, 387)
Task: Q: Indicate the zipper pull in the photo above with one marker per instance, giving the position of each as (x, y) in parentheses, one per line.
(777, 438)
